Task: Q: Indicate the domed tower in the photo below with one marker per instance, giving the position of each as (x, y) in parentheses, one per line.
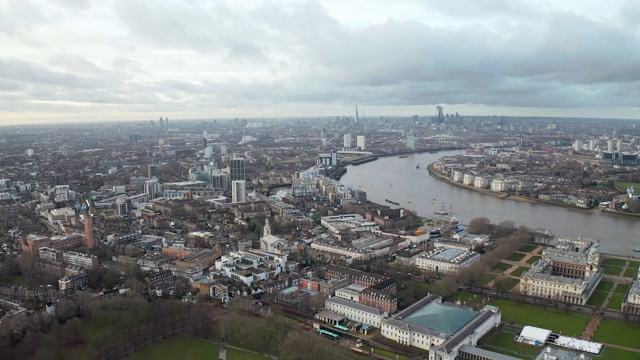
(593, 261)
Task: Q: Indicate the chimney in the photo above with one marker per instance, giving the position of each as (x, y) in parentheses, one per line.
(88, 231)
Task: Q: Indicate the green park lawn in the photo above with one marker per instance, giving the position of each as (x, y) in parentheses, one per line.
(611, 353)
(622, 288)
(485, 278)
(464, 297)
(605, 286)
(612, 270)
(534, 259)
(516, 257)
(518, 272)
(528, 248)
(630, 272)
(556, 320)
(501, 342)
(597, 298)
(614, 262)
(508, 284)
(617, 332)
(615, 302)
(622, 185)
(502, 267)
(633, 265)
(181, 347)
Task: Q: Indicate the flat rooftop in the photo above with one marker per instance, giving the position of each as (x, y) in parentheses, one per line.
(445, 318)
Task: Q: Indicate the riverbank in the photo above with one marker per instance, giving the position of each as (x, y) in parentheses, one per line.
(499, 194)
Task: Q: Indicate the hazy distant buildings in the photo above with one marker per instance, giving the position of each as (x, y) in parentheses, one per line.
(411, 142)
(360, 142)
(347, 140)
(152, 171)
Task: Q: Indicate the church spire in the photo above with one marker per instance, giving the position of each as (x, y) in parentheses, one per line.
(267, 227)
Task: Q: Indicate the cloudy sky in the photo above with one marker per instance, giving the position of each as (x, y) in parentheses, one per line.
(75, 60)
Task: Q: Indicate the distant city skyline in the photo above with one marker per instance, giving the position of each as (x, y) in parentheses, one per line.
(69, 60)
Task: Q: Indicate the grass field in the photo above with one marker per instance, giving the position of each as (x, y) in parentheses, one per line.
(617, 332)
(611, 353)
(518, 272)
(525, 314)
(508, 284)
(615, 302)
(630, 272)
(502, 267)
(180, 347)
(528, 248)
(614, 262)
(516, 257)
(605, 286)
(624, 185)
(501, 342)
(597, 298)
(622, 288)
(634, 264)
(534, 259)
(485, 278)
(612, 270)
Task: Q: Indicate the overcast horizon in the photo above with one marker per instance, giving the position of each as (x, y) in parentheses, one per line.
(77, 60)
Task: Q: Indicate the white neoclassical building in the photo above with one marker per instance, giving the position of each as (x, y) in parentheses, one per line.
(445, 259)
(356, 312)
(631, 303)
(568, 272)
(445, 329)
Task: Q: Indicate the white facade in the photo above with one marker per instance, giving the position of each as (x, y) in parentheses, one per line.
(458, 176)
(360, 142)
(468, 179)
(238, 191)
(347, 140)
(356, 312)
(570, 272)
(480, 182)
(446, 260)
(499, 185)
(353, 221)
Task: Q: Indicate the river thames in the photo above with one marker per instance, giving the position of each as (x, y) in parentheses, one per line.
(398, 180)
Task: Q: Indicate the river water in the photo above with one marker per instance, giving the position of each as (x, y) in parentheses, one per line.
(398, 180)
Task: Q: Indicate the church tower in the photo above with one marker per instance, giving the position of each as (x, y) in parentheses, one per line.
(267, 228)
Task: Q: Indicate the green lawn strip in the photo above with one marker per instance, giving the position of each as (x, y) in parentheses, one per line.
(634, 265)
(605, 286)
(180, 347)
(612, 270)
(502, 342)
(614, 262)
(508, 284)
(388, 354)
(630, 272)
(622, 288)
(623, 185)
(615, 302)
(550, 318)
(534, 259)
(516, 257)
(502, 267)
(528, 248)
(518, 272)
(597, 298)
(485, 278)
(611, 353)
(616, 332)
